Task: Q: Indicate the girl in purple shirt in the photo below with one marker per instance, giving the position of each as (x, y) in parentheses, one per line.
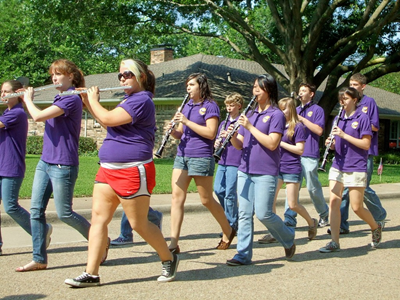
(349, 168)
(57, 169)
(13, 132)
(198, 124)
(292, 147)
(259, 137)
(126, 176)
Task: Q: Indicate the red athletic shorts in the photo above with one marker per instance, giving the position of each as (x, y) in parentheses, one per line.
(130, 182)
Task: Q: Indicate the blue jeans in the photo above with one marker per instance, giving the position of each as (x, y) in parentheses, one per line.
(225, 187)
(59, 180)
(371, 200)
(9, 187)
(126, 230)
(309, 168)
(256, 195)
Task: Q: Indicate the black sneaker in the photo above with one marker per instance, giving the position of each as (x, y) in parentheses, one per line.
(85, 280)
(169, 269)
(342, 231)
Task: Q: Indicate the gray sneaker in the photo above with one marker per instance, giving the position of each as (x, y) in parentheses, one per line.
(323, 222)
(120, 241)
(376, 236)
(169, 269)
(84, 280)
(267, 239)
(330, 247)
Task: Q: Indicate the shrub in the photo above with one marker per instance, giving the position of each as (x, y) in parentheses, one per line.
(34, 144)
(87, 146)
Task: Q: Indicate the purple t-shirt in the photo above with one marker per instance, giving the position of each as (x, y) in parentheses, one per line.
(61, 134)
(231, 156)
(257, 159)
(13, 142)
(132, 142)
(368, 106)
(315, 114)
(290, 162)
(349, 158)
(192, 144)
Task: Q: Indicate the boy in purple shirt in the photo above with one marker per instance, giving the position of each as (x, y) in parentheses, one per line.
(313, 118)
(368, 106)
(225, 183)
(352, 139)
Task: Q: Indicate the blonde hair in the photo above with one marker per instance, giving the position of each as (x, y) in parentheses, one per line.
(292, 118)
(234, 98)
(144, 76)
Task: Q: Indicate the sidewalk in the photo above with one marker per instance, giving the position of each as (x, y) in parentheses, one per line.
(162, 202)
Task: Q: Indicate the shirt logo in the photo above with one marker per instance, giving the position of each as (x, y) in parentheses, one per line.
(266, 118)
(365, 109)
(202, 111)
(309, 114)
(354, 125)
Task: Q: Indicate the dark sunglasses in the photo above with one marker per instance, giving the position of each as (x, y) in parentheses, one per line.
(126, 75)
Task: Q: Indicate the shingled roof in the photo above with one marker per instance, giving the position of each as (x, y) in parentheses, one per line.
(171, 76)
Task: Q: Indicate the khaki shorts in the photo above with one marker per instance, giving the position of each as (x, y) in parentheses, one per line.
(349, 179)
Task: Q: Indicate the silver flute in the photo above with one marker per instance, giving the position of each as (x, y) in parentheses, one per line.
(77, 92)
(35, 90)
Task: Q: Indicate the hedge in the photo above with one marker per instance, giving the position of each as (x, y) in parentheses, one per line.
(87, 146)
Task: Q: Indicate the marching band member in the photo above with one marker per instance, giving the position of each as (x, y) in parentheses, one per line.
(352, 139)
(57, 169)
(259, 137)
(126, 176)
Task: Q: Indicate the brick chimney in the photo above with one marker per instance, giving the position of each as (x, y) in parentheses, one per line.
(160, 54)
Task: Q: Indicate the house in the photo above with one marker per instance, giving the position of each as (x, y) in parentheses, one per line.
(225, 76)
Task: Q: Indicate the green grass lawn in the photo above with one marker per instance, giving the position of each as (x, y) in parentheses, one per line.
(89, 166)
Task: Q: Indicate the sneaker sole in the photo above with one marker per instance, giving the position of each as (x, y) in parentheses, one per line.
(328, 251)
(80, 284)
(121, 244)
(267, 241)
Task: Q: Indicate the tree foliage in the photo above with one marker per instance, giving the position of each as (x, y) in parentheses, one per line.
(317, 41)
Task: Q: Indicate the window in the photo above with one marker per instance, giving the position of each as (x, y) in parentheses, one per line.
(394, 134)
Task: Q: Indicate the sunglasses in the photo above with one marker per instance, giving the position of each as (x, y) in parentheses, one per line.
(126, 75)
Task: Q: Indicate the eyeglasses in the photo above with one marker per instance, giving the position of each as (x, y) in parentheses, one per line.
(126, 75)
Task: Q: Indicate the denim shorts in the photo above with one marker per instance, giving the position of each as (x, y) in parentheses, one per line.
(196, 166)
(349, 179)
(290, 178)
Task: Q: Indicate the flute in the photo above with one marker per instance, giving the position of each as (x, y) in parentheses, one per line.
(35, 90)
(217, 154)
(328, 147)
(160, 150)
(77, 92)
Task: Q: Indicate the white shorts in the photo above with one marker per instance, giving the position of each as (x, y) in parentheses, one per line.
(349, 179)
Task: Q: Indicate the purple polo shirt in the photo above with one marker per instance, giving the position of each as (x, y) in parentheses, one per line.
(132, 142)
(290, 162)
(368, 106)
(13, 142)
(231, 156)
(349, 158)
(61, 134)
(315, 114)
(192, 144)
(257, 159)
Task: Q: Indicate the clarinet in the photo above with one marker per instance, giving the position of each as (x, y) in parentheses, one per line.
(160, 150)
(217, 154)
(219, 138)
(335, 123)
